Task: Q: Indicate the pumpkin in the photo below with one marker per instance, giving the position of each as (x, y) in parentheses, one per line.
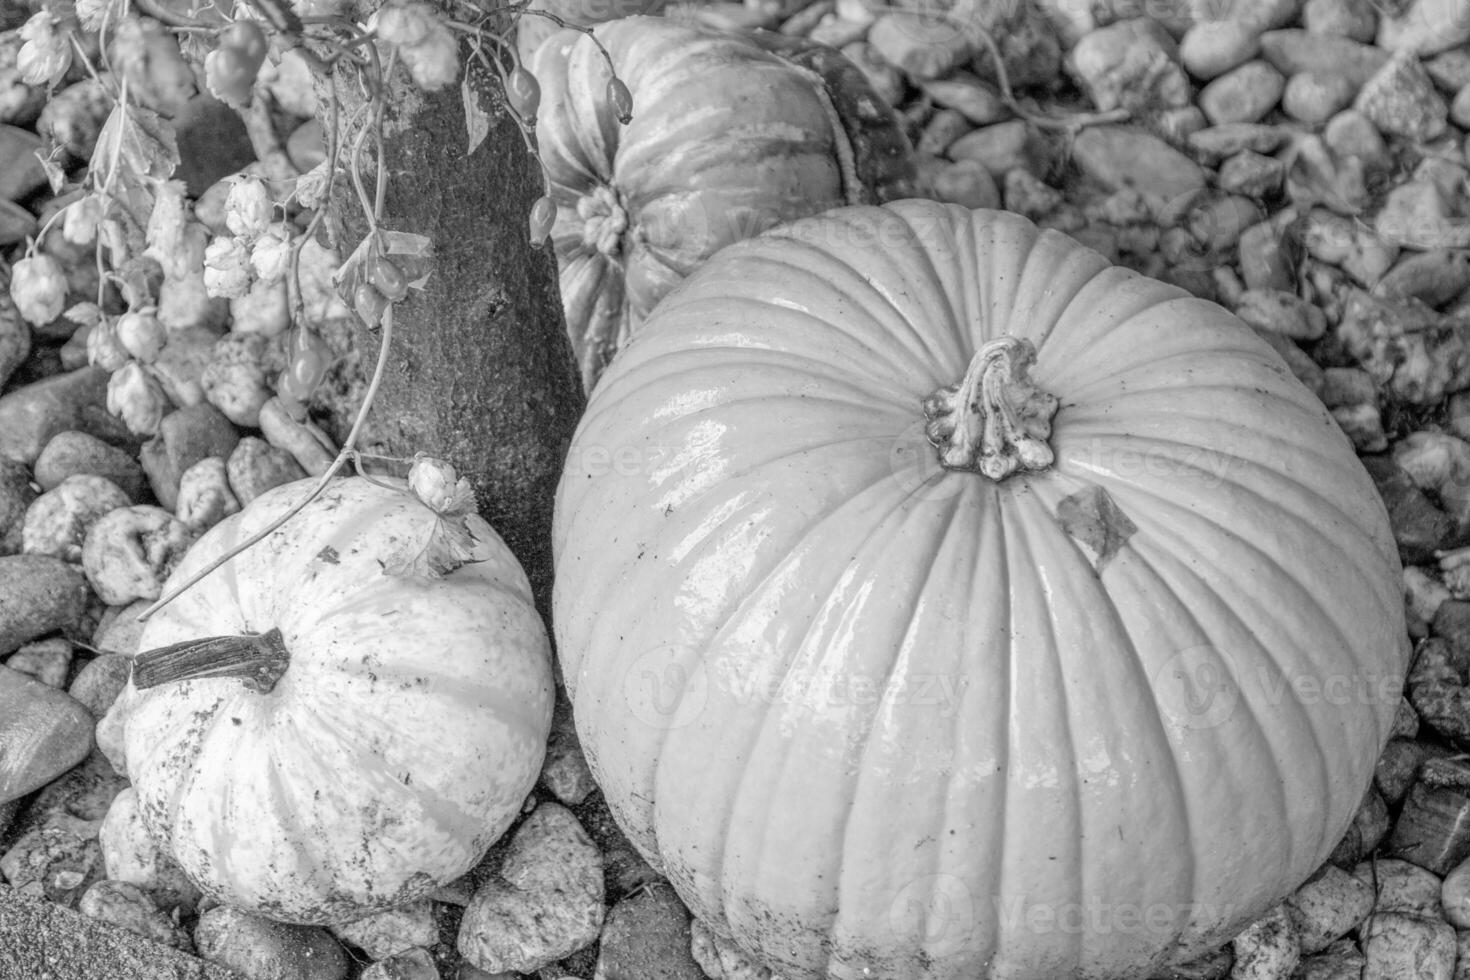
(726, 139)
(389, 728)
(939, 601)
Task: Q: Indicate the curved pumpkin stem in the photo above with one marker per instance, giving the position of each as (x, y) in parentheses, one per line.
(258, 659)
(994, 421)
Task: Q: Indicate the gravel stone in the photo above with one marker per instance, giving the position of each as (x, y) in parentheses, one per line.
(16, 494)
(129, 907)
(1296, 51)
(1242, 95)
(978, 101)
(392, 931)
(1313, 99)
(1401, 101)
(1251, 174)
(1352, 134)
(31, 415)
(1399, 944)
(70, 454)
(1124, 156)
(942, 129)
(1218, 142)
(1425, 27)
(1282, 313)
(546, 901)
(47, 661)
(58, 520)
(1355, 19)
(1210, 48)
(56, 861)
(100, 681)
(184, 438)
(967, 183)
(921, 47)
(205, 497)
(647, 937)
(266, 950)
(1450, 69)
(1327, 907)
(43, 733)
(1130, 64)
(38, 595)
(1001, 147)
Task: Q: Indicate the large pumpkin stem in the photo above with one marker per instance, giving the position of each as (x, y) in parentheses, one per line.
(995, 421)
(259, 659)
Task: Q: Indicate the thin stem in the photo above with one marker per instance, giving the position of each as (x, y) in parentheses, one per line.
(342, 457)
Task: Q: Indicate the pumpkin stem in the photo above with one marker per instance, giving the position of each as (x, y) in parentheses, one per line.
(603, 220)
(995, 421)
(259, 659)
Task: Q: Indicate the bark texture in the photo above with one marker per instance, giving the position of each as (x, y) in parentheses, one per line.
(480, 371)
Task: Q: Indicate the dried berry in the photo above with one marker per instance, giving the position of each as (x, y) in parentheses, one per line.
(620, 99)
(543, 216)
(384, 274)
(369, 303)
(523, 92)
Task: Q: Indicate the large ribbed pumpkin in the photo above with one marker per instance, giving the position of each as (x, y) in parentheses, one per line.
(938, 601)
(401, 740)
(726, 140)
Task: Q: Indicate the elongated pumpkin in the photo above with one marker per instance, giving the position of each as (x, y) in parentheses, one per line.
(726, 139)
(938, 601)
(356, 738)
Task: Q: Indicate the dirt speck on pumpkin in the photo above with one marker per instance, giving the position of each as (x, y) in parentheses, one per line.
(328, 555)
(1095, 521)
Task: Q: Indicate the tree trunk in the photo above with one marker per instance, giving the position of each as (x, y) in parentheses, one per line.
(481, 371)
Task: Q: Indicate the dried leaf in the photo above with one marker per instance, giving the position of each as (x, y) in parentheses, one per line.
(476, 119)
(137, 140)
(84, 314)
(453, 541)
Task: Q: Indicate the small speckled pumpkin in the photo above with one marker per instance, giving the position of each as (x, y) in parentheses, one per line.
(400, 741)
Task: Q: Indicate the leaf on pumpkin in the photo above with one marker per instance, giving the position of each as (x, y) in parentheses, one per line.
(454, 540)
(476, 119)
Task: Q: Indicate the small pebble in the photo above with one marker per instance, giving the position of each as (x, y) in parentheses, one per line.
(1001, 147)
(838, 32)
(1210, 48)
(1218, 221)
(100, 681)
(1397, 945)
(58, 520)
(546, 902)
(1314, 99)
(921, 47)
(1460, 108)
(57, 861)
(1251, 174)
(311, 447)
(414, 964)
(1416, 215)
(1267, 949)
(44, 733)
(16, 494)
(1242, 95)
(978, 101)
(1265, 262)
(15, 339)
(1218, 142)
(129, 907)
(1355, 19)
(942, 129)
(1282, 313)
(1338, 961)
(967, 183)
(1327, 907)
(1363, 425)
(205, 497)
(31, 415)
(1430, 830)
(47, 661)
(1424, 27)
(1434, 277)
(73, 453)
(184, 438)
(39, 594)
(1401, 101)
(565, 772)
(1397, 768)
(120, 630)
(1450, 69)
(1124, 156)
(1295, 51)
(1026, 195)
(265, 950)
(1352, 134)
(647, 937)
(392, 931)
(1178, 125)
(130, 551)
(1130, 64)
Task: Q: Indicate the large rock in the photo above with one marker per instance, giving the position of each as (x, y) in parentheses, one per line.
(38, 595)
(43, 733)
(1126, 156)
